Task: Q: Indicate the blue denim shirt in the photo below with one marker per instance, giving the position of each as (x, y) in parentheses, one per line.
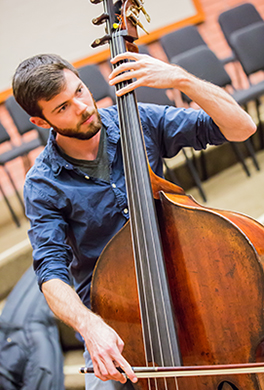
(73, 216)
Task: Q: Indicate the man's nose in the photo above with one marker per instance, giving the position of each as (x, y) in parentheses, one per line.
(80, 106)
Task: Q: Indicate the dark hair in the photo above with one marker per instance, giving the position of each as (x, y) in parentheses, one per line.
(39, 78)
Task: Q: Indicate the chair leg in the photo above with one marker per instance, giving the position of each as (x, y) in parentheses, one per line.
(15, 189)
(203, 165)
(240, 156)
(171, 175)
(260, 125)
(251, 151)
(195, 175)
(15, 219)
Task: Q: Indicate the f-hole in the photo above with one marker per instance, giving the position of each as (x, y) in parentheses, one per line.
(227, 386)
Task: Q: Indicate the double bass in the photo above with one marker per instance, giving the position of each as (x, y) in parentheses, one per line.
(182, 284)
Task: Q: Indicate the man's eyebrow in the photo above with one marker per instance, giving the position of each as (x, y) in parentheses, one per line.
(62, 104)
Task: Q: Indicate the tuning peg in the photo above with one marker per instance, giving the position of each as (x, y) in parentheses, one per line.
(101, 19)
(139, 4)
(101, 41)
(96, 1)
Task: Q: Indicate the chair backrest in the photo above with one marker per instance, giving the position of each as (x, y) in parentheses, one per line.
(203, 63)
(143, 49)
(95, 82)
(181, 40)
(247, 44)
(4, 136)
(19, 116)
(236, 18)
(153, 95)
(43, 135)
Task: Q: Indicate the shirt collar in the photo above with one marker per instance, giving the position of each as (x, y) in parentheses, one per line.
(110, 121)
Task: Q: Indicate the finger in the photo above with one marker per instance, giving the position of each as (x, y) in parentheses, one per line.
(127, 55)
(120, 344)
(130, 87)
(98, 371)
(125, 366)
(123, 77)
(124, 67)
(109, 370)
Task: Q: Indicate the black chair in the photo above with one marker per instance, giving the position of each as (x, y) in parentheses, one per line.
(233, 20)
(203, 63)
(247, 45)
(11, 154)
(184, 39)
(236, 18)
(96, 83)
(181, 40)
(158, 96)
(23, 125)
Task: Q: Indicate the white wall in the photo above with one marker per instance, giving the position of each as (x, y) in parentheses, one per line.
(29, 27)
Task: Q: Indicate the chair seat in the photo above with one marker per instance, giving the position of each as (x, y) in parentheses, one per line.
(19, 151)
(243, 96)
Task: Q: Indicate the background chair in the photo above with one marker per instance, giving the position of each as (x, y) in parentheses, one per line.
(5, 157)
(96, 83)
(236, 18)
(184, 39)
(247, 44)
(203, 63)
(23, 125)
(158, 96)
(181, 40)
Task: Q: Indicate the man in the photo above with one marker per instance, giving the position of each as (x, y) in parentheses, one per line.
(75, 193)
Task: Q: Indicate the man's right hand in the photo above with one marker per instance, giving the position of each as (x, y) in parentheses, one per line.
(105, 348)
(103, 343)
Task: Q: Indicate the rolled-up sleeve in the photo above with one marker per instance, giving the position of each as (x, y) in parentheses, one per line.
(173, 128)
(47, 233)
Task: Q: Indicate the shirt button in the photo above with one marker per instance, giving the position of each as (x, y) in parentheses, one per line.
(66, 165)
(114, 185)
(87, 177)
(125, 211)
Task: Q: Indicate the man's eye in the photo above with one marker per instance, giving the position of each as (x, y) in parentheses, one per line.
(80, 89)
(63, 108)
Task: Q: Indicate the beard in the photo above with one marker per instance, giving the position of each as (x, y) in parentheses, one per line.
(91, 129)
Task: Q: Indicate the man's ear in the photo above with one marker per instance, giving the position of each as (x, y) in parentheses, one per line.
(39, 122)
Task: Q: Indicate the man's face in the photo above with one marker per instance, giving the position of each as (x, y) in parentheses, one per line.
(73, 112)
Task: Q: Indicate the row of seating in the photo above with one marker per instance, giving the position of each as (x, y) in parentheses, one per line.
(243, 28)
(23, 125)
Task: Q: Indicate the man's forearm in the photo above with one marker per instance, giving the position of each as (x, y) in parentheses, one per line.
(233, 121)
(66, 304)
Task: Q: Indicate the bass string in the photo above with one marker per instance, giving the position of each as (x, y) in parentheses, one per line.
(116, 50)
(125, 107)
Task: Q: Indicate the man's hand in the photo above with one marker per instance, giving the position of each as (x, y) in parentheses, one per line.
(103, 343)
(147, 71)
(105, 348)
